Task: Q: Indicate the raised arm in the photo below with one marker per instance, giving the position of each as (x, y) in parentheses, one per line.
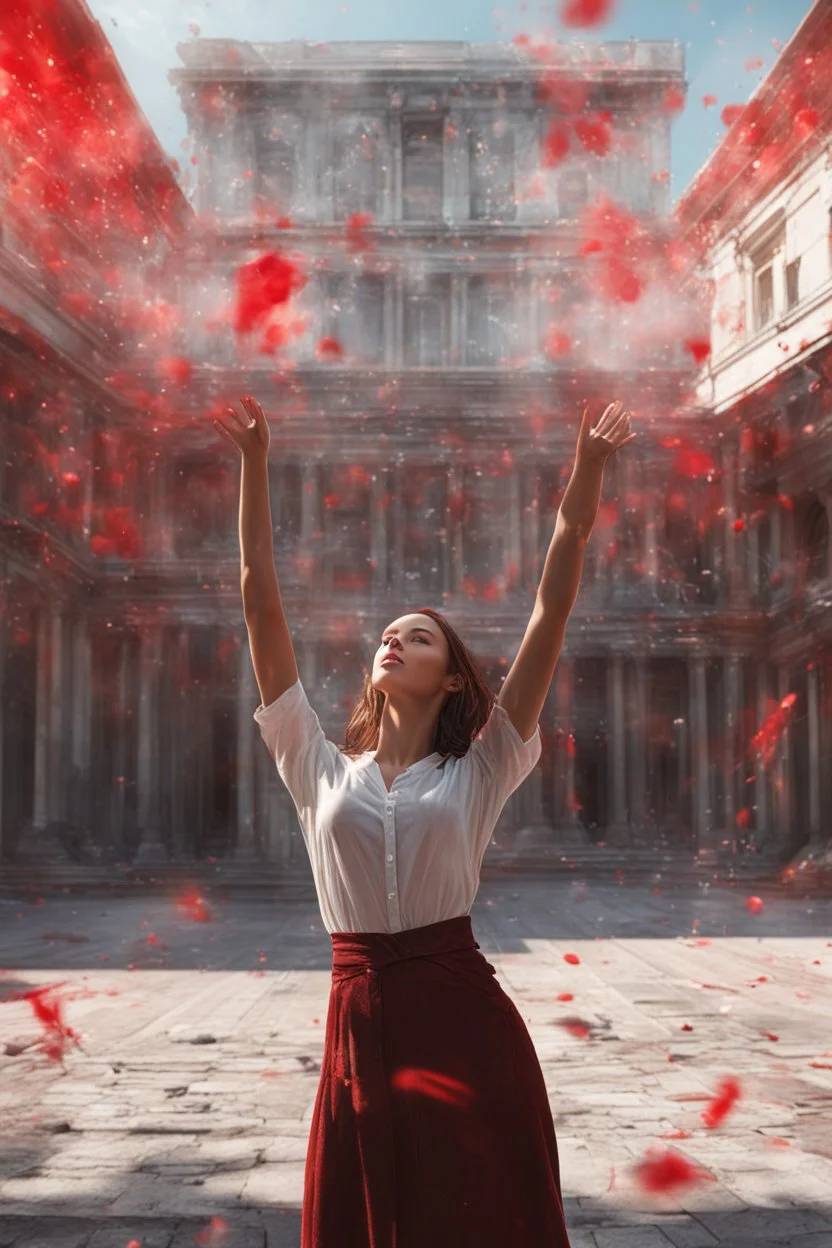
(272, 652)
(527, 684)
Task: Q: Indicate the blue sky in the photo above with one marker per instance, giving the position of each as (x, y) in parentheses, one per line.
(720, 37)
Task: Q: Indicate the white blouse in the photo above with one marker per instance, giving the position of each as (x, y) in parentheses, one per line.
(389, 861)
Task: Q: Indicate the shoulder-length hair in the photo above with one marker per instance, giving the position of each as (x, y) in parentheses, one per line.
(464, 711)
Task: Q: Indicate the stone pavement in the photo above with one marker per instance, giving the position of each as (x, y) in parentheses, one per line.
(183, 1118)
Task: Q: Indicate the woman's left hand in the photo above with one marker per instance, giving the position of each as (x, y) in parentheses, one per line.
(612, 431)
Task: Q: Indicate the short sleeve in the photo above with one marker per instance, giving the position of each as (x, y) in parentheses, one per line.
(306, 760)
(503, 761)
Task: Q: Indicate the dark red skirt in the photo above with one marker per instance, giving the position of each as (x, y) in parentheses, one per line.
(431, 1125)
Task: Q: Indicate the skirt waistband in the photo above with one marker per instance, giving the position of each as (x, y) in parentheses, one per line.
(357, 952)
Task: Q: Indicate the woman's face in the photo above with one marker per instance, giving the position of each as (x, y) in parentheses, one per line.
(422, 648)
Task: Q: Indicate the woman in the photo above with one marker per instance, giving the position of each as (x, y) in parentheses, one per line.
(431, 1125)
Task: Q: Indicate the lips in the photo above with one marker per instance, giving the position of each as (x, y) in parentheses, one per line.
(391, 658)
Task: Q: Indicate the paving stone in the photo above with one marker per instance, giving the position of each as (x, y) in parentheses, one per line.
(631, 1237)
(686, 1232)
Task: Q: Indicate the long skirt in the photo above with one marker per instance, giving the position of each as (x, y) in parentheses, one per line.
(431, 1126)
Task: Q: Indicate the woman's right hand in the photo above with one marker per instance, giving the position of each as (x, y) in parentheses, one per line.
(249, 435)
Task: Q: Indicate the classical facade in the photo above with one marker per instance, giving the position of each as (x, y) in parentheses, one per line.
(424, 386)
(760, 212)
(425, 413)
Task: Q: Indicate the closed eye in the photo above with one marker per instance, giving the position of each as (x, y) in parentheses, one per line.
(424, 639)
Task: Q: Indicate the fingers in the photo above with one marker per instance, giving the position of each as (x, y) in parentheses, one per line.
(226, 433)
(609, 416)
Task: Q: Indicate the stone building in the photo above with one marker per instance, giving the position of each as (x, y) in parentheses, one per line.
(90, 209)
(760, 212)
(424, 461)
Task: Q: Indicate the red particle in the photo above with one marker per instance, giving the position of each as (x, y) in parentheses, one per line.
(177, 370)
(565, 996)
(662, 1172)
(732, 113)
(555, 145)
(699, 348)
(753, 62)
(673, 100)
(48, 1010)
(739, 527)
(577, 1027)
(261, 286)
(572, 959)
(593, 134)
(770, 1035)
(743, 817)
(754, 904)
(722, 1104)
(687, 1027)
(357, 237)
(590, 246)
(805, 121)
(557, 343)
(329, 349)
(586, 12)
(709, 101)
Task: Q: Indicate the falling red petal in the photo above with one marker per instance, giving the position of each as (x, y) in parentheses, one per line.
(262, 285)
(593, 134)
(673, 100)
(330, 348)
(572, 959)
(699, 348)
(722, 1104)
(663, 1172)
(754, 904)
(555, 145)
(731, 113)
(583, 13)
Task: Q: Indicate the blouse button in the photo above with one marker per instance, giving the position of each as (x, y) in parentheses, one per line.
(389, 857)
(391, 895)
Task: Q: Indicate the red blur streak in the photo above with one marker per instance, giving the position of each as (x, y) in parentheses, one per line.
(709, 101)
(584, 13)
(435, 1085)
(663, 1172)
(572, 959)
(722, 1104)
(565, 996)
(764, 742)
(693, 463)
(261, 286)
(58, 1036)
(577, 1027)
(192, 906)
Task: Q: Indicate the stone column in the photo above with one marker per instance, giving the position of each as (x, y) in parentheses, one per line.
(117, 807)
(731, 676)
(378, 531)
(782, 768)
(457, 348)
(55, 778)
(761, 821)
(151, 848)
(813, 712)
(41, 812)
(618, 832)
(513, 561)
(179, 717)
(455, 171)
(651, 549)
(5, 833)
(247, 701)
(637, 741)
(570, 830)
(702, 814)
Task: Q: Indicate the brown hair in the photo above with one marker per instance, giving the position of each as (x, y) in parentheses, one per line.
(463, 714)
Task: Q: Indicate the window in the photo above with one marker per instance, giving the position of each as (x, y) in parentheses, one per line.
(793, 284)
(491, 151)
(357, 316)
(275, 185)
(763, 296)
(573, 193)
(490, 320)
(357, 168)
(427, 314)
(422, 156)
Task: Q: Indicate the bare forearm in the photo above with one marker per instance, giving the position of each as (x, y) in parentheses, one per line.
(562, 571)
(258, 575)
